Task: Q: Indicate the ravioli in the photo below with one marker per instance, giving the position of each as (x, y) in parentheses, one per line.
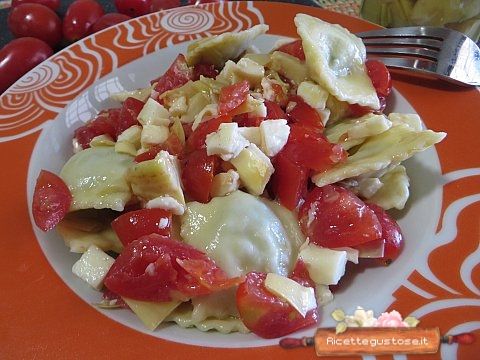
(96, 179)
(378, 152)
(240, 233)
(218, 49)
(352, 132)
(335, 59)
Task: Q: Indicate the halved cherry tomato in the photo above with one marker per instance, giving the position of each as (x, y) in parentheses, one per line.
(333, 216)
(391, 234)
(294, 48)
(196, 140)
(157, 268)
(198, 173)
(274, 111)
(265, 314)
(52, 4)
(300, 274)
(289, 181)
(51, 200)
(178, 74)
(158, 5)
(304, 114)
(133, 225)
(133, 8)
(18, 57)
(307, 147)
(207, 70)
(111, 122)
(232, 96)
(244, 120)
(108, 20)
(131, 107)
(80, 16)
(35, 20)
(173, 145)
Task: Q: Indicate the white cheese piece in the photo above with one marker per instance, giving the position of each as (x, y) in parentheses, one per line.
(244, 69)
(139, 94)
(335, 59)
(153, 135)
(323, 295)
(325, 266)
(313, 94)
(225, 183)
(394, 192)
(132, 135)
(352, 254)
(300, 297)
(274, 136)
(240, 233)
(252, 134)
(167, 203)
(93, 266)
(254, 168)
(153, 113)
(368, 187)
(150, 313)
(102, 140)
(226, 141)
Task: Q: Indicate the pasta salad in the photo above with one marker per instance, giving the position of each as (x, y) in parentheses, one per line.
(230, 194)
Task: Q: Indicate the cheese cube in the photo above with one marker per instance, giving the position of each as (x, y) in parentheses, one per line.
(208, 112)
(153, 113)
(274, 136)
(151, 313)
(178, 106)
(153, 135)
(254, 168)
(313, 94)
(167, 203)
(225, 183)
(226, 141)
(325, 266)
(252, 134)
(300, 297)
(93, 266)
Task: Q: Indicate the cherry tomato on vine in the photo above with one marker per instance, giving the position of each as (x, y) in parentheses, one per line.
(133, 8)
(37, 21)
(52, 4)
(19, 56)
(108, 20)
(79, 18)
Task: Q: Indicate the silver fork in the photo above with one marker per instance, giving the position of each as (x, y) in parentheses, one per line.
(439, 52)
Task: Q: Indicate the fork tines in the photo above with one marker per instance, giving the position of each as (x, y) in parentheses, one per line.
(442, 52)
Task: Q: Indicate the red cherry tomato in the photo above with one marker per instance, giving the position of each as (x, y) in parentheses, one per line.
(264, 313)
(207, 70)
(80, 16)
(304, 114)
(300, 274)
(158, 5)
(232, 96)
(308, 148)
(196, 140)
(133, 8)
(108, 20)
(177, 75)
(244, 120)
(37, 21)
(274, 111)
(51, 200)
(173, 145)
(52, 4)
(332, 217)
(289, 181)
(156, 268)
(294, 48)
(197, 175)
(110, 122)
(135, 224)
(391, 235)
(18, 57)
